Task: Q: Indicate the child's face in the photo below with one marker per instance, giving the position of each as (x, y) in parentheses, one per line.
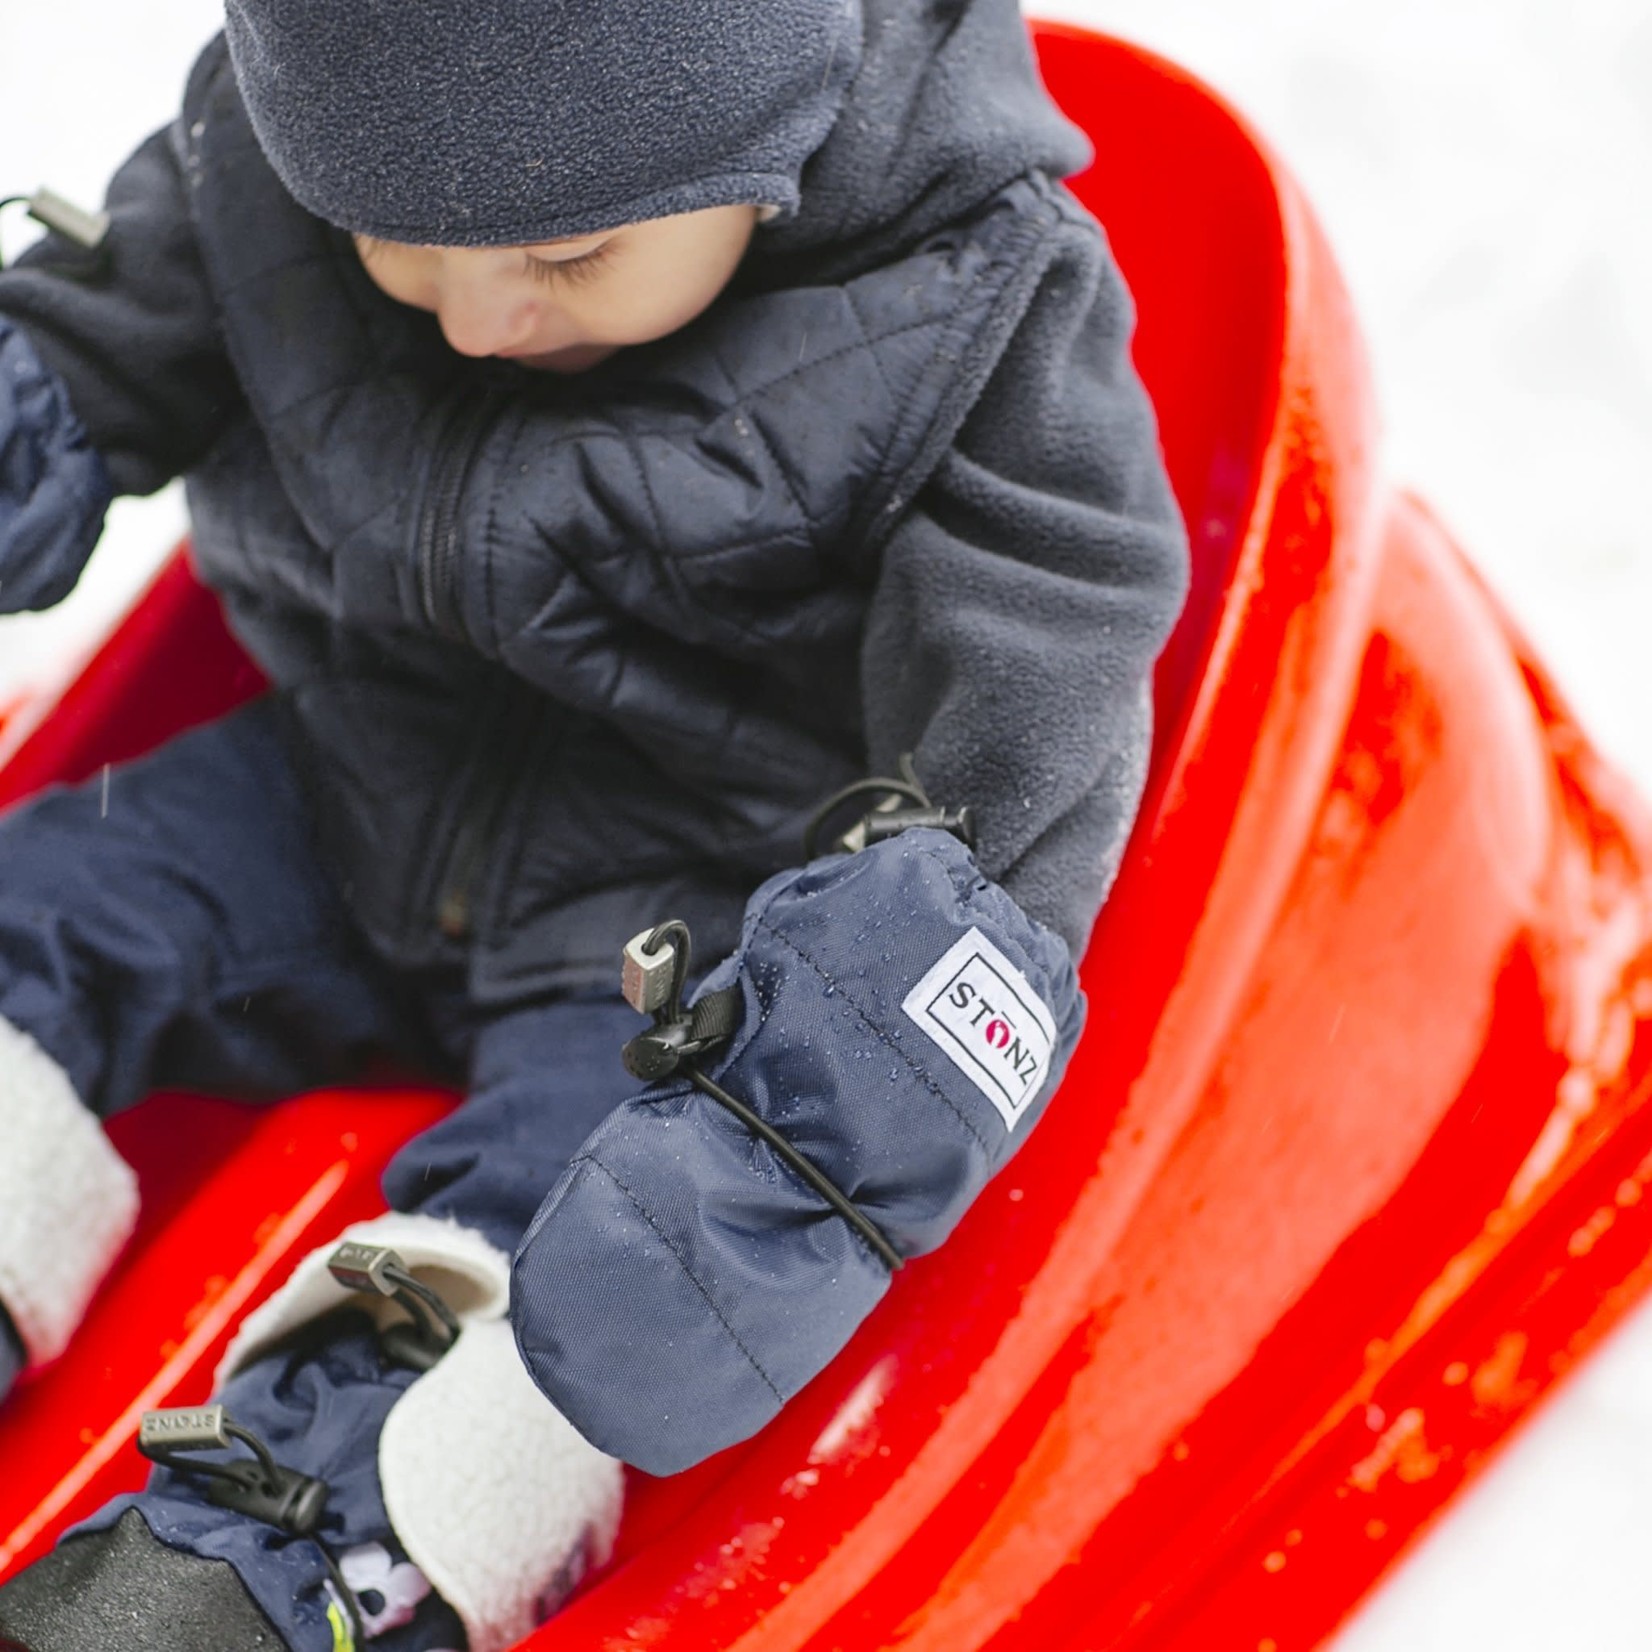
(565, 305)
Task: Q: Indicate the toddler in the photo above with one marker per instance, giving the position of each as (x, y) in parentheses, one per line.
(615, 428)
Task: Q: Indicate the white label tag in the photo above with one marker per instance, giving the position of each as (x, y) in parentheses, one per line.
(994, 1028)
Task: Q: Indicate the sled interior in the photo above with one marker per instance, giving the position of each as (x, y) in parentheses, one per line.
(1195, 213)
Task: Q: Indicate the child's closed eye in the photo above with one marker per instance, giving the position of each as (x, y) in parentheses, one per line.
(583, 268)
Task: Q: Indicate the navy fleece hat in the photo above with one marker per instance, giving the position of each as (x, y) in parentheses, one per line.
(506, 122)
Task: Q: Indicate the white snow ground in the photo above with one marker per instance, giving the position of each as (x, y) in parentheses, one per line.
(1484, 168)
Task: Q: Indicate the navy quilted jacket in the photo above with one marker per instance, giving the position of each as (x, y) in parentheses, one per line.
(564, 656)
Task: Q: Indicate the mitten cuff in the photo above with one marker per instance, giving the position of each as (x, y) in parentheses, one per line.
(68, 1201)
(458, 1263)
(493, 1493)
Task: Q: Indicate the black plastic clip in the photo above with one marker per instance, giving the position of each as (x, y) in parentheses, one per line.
(376, 1270)
(887, 823)
(655, 973)
(258, 1487)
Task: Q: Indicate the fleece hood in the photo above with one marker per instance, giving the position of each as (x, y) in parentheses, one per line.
(945, 109)
(510, 122)
(864, 125)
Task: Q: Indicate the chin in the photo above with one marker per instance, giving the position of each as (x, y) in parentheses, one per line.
(572, 358)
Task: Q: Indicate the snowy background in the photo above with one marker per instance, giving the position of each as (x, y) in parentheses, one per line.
(1484, 168)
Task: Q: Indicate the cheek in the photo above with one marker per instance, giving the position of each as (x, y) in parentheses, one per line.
(641, 309)
(403, 277)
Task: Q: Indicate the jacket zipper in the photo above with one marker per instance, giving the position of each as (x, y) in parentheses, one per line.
(504, 764)
(439, 547)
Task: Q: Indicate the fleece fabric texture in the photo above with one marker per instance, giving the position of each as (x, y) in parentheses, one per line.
(496, 1497)
(567, 656)
(68, 1201)
(903, 1025)
(556, 117)
(946, 110)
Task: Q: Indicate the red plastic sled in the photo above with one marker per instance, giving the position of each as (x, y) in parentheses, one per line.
(1353, 1162)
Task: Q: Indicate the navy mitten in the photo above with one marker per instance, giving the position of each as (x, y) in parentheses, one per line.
(903, 1024)
(54, 487)
(12, 1358)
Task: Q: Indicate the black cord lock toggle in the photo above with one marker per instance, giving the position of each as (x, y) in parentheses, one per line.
(256, 1486)
(655, 970)
(652, 980)
(85, 230)
(376, 1270)
(901, 805)
(881, 824)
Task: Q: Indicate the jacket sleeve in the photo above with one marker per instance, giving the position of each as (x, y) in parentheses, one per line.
(1023, 599)
(131, 332)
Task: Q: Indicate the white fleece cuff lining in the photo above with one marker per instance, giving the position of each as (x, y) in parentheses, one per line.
(68, 1201)
(496, 1497)
(472, 1277)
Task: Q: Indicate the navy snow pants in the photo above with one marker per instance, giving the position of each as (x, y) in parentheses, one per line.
(171, 927)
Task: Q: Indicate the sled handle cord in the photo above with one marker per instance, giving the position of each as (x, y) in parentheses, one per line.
(823, 1184)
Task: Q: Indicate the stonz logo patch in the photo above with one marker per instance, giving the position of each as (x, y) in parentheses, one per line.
(993, 1027)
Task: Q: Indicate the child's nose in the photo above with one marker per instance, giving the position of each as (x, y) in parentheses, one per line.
(479, 321)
